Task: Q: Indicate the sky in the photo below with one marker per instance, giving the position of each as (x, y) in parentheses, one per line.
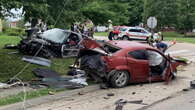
(17, 15)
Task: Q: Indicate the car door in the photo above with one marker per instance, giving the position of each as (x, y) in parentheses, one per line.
(133, 33)
(138, 65)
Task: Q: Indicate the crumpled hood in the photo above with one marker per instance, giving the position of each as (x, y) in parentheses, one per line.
(90, 44)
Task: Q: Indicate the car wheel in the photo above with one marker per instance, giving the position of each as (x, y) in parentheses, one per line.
(125, 38)
(119, 79)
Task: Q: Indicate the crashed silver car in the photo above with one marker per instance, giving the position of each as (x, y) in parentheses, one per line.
(52, 43)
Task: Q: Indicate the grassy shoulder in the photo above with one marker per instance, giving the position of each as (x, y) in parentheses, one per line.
(11, 64)
(27, 95)
(101, 34)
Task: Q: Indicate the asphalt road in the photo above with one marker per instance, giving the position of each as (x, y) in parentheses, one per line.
(185, 101)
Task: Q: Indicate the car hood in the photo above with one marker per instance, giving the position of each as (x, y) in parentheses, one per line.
(90, 44)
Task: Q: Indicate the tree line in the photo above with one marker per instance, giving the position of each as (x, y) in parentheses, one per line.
(179, 14)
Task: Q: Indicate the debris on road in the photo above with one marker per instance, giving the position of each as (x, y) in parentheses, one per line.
(110, 94)
(51, 79)
(192, 84)
(37, 60)
(121, 102)
(10, 46)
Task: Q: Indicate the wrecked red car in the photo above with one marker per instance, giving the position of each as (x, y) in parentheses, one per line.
(123, 62)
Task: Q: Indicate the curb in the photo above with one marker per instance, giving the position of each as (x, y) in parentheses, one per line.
(49, 98)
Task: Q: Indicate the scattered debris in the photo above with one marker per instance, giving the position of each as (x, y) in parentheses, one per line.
(133, 93)
(10, 53)
(37, 60)
(51, 93)
(45, 73)
(6, 86)
(106, 97)
(192, 84)
(10, 46)
(52, 79)
(81, 81)
(110, 94)
(81, 93)
(121, 102)
(185, 90)
(74, 72)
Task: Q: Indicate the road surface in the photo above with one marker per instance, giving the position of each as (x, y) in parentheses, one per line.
(185, 101)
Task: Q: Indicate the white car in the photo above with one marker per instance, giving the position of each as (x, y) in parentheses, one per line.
(134, 33)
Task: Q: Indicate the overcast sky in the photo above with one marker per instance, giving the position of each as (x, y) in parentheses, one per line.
(17, 15)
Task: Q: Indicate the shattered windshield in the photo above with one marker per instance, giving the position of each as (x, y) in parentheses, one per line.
(55, 35)
(111, 49)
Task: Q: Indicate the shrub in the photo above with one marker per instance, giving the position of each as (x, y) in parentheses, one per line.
(14, 31)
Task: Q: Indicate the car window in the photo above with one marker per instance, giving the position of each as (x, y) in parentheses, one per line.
(135, 30)
(154, 58)
(139, 54)
(122, 29)
(55, 35)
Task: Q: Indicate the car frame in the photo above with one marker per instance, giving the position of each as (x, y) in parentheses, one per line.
(122, 69)
(51, 43)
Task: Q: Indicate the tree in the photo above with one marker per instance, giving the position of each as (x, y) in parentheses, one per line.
(136, 12)
(186, 16)
(166, 11)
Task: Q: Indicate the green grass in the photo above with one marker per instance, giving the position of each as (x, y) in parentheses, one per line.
(28, 95)
(12, 64)
(170, 36)
(101, 34)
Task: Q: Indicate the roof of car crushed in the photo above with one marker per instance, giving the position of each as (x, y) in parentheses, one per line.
(129, 44)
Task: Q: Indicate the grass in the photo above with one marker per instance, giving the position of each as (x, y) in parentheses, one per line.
(170, 36)
(101, 34)
(10, 65)
(28, 95)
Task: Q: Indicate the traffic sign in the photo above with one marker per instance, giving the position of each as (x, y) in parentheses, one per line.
(152, 22)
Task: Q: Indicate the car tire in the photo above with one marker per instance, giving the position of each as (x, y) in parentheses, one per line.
(119, 79)
(125, 37)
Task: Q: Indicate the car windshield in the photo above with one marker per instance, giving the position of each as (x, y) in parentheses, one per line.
(110, 48)
(55, 35)
(122, 29)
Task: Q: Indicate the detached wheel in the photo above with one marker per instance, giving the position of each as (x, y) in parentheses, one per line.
(120, 79)
(125, 38)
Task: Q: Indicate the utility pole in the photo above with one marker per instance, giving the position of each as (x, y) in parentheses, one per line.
(144, 14)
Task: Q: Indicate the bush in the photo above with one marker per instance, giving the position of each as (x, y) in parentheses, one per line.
(14, 31)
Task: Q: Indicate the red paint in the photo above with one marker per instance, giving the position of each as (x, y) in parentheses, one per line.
(138, 69)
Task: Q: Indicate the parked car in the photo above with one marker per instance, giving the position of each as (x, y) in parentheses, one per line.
(123, 62)
(51, 43)
(134, 33)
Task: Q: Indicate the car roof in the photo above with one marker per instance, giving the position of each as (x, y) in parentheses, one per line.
(136, 28)
(128, 44)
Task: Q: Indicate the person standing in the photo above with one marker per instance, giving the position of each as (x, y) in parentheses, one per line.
(110, 29)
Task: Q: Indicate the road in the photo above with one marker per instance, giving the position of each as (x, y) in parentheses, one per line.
(149, 93)
(185, 101)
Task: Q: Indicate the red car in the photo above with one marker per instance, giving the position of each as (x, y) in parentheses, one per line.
(123, 62)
